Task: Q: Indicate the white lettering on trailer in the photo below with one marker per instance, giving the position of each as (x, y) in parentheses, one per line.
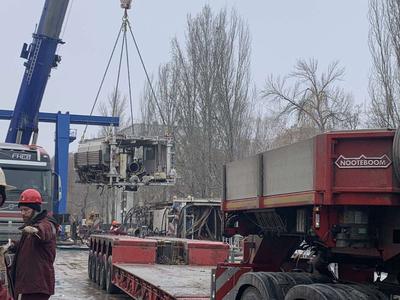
(363, 161)
(23, 162)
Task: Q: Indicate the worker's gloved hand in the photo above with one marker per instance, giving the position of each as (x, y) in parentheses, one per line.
(30, 230)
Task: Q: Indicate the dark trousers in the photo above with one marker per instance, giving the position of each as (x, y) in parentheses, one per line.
(33, 297)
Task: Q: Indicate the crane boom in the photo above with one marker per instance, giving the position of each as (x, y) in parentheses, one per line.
(41, 58)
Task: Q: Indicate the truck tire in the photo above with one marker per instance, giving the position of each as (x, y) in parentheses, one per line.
(251, 293)
(102, 280)
(98, 268)
(316, 291)
(89, 267)
(333, 292)
(110, 287)
(273, 285)
(93, 265)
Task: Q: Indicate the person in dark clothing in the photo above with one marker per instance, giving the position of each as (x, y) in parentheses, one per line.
(33, 270)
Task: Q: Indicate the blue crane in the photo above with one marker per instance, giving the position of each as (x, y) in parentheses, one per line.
(41, 58)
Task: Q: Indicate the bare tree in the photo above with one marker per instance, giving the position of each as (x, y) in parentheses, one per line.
(266, 131)
(205, 94)
(384, 44)
(148, 111)
(116, 105)
(160, 109)
(314, 100)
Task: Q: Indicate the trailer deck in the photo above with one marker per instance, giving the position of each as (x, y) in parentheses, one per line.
(155, 268)
(178, 281)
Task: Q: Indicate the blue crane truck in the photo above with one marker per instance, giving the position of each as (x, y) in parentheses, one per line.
(25, 164)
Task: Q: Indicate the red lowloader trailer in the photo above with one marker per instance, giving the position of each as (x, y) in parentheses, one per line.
(158, 268)
(321, 220)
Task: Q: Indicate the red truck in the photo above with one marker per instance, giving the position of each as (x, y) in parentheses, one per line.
(321, 220)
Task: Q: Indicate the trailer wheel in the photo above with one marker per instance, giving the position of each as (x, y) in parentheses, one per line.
(89, 267)
(93, 267)
(98, 268)
(251, 293)
(103, 266)
(110, 287)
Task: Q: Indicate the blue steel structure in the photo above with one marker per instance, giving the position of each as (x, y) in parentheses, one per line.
(41, 58)
(62, 141)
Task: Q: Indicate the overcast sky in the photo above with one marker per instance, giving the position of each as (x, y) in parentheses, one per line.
(282, 31)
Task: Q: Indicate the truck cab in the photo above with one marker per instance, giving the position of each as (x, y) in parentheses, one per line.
(24, 167)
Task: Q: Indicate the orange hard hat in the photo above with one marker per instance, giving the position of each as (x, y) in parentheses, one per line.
(114, 223)
(31, 196)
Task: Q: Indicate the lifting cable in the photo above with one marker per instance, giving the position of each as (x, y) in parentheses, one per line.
(67, 19)
(147, 74)
(129, 81)
(102, 80)
(125, 25)
(118, 73)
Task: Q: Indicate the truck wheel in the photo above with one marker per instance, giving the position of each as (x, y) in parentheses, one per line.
(98, 268)
(102, 281)
(316, 291)
(110, 287)
(272, 285)
(332, 291)
(251, 293)
(89, 267)
(93, 267)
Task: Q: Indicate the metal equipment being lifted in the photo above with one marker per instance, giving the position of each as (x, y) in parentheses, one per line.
(132, 162)
(119, 159)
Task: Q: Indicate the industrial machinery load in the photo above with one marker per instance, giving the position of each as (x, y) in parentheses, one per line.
(127, 161)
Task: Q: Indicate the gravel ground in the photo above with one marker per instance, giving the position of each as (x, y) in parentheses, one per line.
(72, 281)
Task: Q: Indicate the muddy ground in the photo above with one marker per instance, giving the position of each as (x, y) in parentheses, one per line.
(72, 281)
